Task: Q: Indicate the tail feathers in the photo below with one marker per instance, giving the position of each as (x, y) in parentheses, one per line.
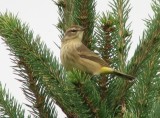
(123, 75)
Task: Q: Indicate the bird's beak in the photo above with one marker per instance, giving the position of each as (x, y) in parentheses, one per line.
(82, 29)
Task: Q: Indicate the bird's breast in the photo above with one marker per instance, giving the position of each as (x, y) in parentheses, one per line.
(68, 54)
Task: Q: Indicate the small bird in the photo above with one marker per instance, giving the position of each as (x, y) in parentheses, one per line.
(74, 54)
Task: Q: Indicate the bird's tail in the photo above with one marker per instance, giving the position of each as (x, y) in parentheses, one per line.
(108, 70)
(123, 75)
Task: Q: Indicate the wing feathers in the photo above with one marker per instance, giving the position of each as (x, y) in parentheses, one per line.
(84, 52)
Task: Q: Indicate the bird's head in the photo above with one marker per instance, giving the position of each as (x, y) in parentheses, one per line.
(74, 33)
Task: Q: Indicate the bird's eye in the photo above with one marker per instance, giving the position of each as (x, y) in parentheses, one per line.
(73, 30)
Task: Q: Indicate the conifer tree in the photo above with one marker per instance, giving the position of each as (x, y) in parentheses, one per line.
(78, 94)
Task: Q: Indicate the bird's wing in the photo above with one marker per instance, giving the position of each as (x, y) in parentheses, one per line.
(86, 53)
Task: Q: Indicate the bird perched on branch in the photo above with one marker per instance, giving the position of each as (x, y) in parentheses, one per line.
(74, 54)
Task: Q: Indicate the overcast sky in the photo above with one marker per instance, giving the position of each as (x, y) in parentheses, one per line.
(41, 15)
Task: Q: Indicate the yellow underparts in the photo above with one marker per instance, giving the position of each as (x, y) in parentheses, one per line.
(106, 70)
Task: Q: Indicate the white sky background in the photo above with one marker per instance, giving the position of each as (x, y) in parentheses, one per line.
(41, 15)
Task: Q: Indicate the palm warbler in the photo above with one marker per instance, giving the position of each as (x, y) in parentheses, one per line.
(74, 54)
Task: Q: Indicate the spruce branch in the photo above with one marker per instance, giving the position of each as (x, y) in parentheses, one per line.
(9, 107)
(103, 30)
(32, 91)
(104, 45)
(88, 90)
(120, 38)
(122, 35)
(145, 91)
(22, 68)
(65, 11)
(84, 15)
(145, 65)
(149, 43)
(45, 68)
(155, 110)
